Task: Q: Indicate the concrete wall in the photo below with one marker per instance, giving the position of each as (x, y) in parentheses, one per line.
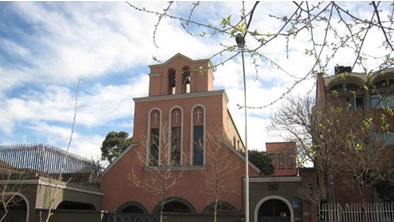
(278, 188)
(39, 192)
(173, 217)
(46, 191)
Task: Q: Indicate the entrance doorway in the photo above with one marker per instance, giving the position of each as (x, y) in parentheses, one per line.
(15, 208)
(274, 210)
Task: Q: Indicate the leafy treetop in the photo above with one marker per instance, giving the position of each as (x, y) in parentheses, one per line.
(114, 144)
(261, 160)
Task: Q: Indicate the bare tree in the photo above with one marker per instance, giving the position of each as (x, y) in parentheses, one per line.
(59, 179)
(327, 30)
(160, 161)
(338, 141)
(11, 185)
(219, 175)
(296, 118)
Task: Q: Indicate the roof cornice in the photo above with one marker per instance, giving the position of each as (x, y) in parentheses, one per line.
(274, 179)
(182, 96)
(51, 183)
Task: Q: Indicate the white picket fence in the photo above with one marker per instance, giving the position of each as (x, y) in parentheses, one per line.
(370, 212)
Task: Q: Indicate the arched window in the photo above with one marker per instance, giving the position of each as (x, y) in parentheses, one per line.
(175, 143)
(153, 139)
(186, 79)
(384, 83)
(345, 87)
(351, 86)
(132, 207)
(171, 81)
(353, 102)
(198, 135)
(175, 205)
(222, 207)
(382, 97)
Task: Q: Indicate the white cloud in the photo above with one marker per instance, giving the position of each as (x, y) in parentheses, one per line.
(104, 104)
(13, 48)
(87, 146)
(109, 46)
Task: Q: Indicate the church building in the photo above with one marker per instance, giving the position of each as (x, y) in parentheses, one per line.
(184, 140)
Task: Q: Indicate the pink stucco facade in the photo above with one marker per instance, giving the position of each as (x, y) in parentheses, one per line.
(185, 103)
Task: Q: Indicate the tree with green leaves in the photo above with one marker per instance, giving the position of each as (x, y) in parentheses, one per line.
(261, 160)
(114, 144)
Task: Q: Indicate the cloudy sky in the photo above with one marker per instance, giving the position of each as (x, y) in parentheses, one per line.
(47, 47)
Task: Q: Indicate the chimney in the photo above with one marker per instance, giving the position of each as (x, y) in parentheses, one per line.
(342, 69)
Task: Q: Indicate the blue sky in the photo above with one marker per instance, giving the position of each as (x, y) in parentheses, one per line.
(46, 47)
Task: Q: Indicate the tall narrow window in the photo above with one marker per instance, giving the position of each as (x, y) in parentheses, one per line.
(154, 147)
(198, 145)
(153, 141)
(272, 157)
(355, 103)
(386, 101)
(175, 143)
(289, 161)
(281, 161)
(171, 81)
(197, 136)
(175, 146)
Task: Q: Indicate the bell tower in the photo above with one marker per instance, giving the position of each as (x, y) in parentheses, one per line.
(182, 106)
(180, 75)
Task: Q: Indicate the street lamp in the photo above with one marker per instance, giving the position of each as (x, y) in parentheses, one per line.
(240, 40)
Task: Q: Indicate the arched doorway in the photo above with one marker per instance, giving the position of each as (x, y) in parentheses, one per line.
(274, 209)
(17, 207)
(71, 205)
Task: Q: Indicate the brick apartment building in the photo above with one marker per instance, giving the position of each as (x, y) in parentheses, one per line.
(363, 97)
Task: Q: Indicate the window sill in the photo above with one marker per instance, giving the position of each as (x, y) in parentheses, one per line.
(174, 168)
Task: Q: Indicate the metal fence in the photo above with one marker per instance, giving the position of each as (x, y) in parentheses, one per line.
(368, 212)
(45, 160)
(130, 217)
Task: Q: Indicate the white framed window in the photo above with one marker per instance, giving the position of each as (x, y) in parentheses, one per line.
(387, 138)
(379, 101)
(197, 136)
(153, 138)
(355, 103)
(175, 147)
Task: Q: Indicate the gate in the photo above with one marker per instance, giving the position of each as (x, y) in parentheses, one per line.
(275, 219)
(14, 215)
(370, 212)
(124, 217)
